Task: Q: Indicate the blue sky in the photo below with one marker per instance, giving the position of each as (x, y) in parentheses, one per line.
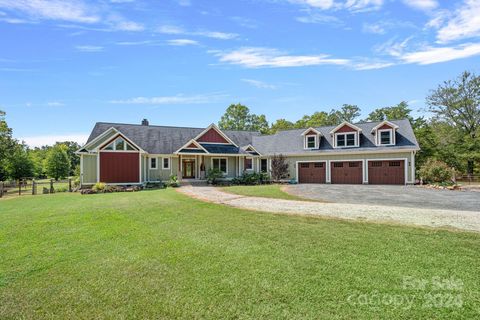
(65, 64)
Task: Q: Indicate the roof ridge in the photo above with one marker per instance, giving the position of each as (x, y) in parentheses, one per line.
(150, 125)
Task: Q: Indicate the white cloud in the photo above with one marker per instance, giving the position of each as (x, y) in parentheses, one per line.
(432, 55)
(39, 141)
(272, 58)
(363, 5)
(464, 23)
(88, 48)
(372, 65)
(66, 10)
(321, 4)
(319, 18)
(127, 26)
(182, 42)
(424, 5)
(169, 29)
(373, 28)
(184, 3)
(55, 104)
(259, 84)
(178, 99)
(352, 5)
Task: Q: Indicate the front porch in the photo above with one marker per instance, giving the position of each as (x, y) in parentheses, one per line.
(195, 167)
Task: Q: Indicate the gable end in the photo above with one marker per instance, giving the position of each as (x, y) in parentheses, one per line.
(212, 136)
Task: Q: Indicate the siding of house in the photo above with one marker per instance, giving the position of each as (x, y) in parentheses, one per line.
(232, 165)
(89, 169)
(160, 174)
(399, 155)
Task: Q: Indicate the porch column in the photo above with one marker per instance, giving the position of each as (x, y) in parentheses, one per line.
(179, 174)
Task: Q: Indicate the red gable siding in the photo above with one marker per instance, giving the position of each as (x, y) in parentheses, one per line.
(311, 132)
(212, 136)
(346, 128)
(119, 167)
(385, 126)
(192, 146)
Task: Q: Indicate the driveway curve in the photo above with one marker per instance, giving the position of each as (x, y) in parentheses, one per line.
(464, 220)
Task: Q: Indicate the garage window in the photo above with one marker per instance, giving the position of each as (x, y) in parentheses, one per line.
(376, 163)
(338, 164)
(394, 164)
(304, 165)
(354, 164)
(318, 165)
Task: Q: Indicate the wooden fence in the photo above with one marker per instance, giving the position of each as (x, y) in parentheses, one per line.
(34, 187)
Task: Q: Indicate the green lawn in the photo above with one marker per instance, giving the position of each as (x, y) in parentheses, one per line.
(263, 191)
(158, 254)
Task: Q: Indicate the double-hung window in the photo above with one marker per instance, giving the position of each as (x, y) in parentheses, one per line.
(165, 163)
(310, 142)
(385, 137)
(346, 139)
(248, 163)
(220, 164)
(153, 163)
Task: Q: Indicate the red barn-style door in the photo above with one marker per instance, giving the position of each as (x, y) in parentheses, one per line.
(119, 167)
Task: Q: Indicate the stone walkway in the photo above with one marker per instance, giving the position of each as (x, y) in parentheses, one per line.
(465, 220)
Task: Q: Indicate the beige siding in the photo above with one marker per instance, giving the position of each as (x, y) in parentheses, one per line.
(89, 164)
(102, 140)
(293, 159)
(232, 165)
(161, 174)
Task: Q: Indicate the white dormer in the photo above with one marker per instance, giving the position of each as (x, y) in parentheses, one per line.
(384, 133)
(311, 139)
(346, 135)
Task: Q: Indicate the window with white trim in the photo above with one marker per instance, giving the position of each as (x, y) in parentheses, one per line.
(153, 164)
(385, 137)
(119, 144)
(248, 163)
(165, 163)
(310, 141)
(220, 164)
(346, 139)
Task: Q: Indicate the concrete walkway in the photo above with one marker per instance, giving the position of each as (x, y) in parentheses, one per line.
(465, 220)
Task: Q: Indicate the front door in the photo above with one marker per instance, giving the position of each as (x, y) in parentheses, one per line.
(188, 169)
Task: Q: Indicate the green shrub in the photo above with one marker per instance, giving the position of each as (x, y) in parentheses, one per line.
(99, 187)
(173, 182)
(253, 178)
(61, 189)
(76, 182)
(435, 171)
(213, 175)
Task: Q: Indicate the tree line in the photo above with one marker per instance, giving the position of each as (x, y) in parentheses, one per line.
(450, 135)
(18, 161)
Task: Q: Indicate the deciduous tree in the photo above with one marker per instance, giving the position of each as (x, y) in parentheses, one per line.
(57, 163)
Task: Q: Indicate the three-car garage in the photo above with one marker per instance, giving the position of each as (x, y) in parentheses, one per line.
(353, 172)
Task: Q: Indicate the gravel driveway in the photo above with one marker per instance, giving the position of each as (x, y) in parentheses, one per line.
(398, 196)
(466, 220)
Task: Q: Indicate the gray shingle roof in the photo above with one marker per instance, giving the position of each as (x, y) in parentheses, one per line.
(164, 139)
(291, 141)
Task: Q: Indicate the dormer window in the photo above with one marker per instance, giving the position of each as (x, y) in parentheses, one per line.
(346, 139)
(311, 139)
(385, 137)
(384, 133)
(310, 142)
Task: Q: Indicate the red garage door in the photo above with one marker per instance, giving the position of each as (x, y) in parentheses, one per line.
(348, 172)
(119, 167)
(386, 172)
(311, 172)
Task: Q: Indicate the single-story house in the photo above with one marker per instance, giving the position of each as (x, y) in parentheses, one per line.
(362, 153)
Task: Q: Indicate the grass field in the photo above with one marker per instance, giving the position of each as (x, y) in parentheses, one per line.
(157, 254)
(263, 191)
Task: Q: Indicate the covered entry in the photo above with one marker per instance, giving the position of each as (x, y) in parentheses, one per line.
(386, 172)
(311, 172)
(346, 172)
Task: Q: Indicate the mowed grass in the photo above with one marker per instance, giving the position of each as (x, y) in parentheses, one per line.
(263, 191)
(159, 254)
